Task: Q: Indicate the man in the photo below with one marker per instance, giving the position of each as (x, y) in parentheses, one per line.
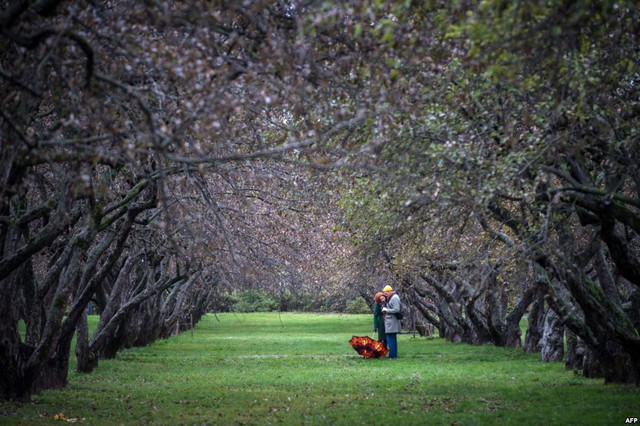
(391, 321)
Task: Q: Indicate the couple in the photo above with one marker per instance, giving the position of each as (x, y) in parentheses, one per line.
(385, 321)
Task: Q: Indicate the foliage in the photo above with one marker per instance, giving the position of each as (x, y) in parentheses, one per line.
(145, 167)
(357, 306)
(299, 369)
(253, 301)
(156, 154)
(516, 173)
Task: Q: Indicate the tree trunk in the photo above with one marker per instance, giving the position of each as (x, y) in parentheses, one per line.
(591, 365)
(535, 325)
(552, 343)
(54, 373)
(575, 352)
(622, 368)
(87, 360)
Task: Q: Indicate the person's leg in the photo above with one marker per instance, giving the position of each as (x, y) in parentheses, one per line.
(392, 345)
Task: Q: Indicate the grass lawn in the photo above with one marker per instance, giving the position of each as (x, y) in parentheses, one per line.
(298, 369)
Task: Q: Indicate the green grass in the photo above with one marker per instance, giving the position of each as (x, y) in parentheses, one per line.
(297, 369)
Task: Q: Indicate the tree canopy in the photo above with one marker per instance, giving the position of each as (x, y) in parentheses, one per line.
(481, 156)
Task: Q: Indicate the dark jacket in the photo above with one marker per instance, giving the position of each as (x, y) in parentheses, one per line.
(378, 322)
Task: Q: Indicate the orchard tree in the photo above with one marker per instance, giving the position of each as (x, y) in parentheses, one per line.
(531, 137)
(557, 101)
(121, 123)
(155, 154)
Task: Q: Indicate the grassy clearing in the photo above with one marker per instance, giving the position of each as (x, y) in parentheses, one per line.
(297, 369)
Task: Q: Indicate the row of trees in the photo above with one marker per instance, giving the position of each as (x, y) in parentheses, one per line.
(139, 173)
(154, 155)
(519, 192)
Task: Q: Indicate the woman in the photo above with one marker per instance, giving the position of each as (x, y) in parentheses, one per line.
(391, 321)
(378, 318)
